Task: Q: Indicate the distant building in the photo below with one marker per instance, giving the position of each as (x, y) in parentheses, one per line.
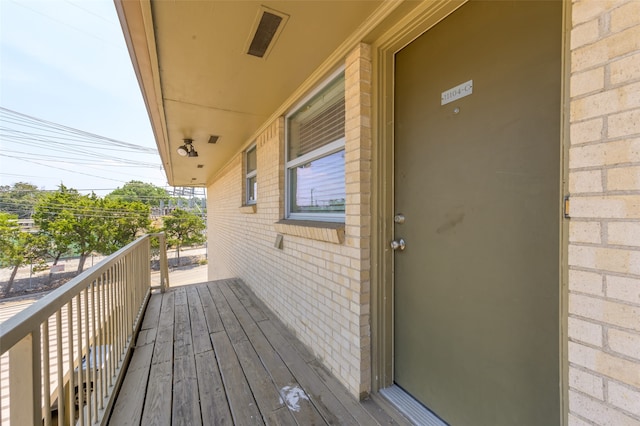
(28, 225)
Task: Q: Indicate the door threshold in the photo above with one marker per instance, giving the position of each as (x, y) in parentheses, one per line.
(410, 408)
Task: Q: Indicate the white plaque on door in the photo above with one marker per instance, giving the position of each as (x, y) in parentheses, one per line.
(460, 91)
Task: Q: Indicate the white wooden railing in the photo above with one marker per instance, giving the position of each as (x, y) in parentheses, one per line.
(68, 351)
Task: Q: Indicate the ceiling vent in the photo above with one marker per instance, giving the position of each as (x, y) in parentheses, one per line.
(265, 31)
(213, 138)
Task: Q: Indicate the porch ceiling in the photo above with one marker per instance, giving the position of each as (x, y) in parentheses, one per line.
(197, 79)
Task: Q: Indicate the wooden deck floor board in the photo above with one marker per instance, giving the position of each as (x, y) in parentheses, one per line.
(213, 398)
(249, 303)
(199, 331)
(152, 314)
(157, 406)
(128, 407)
(305, 412)
(243, 406)
(214, 354)
(186, 400)
(231, 325)
(163, 348)
(325, 402)
(211, 314)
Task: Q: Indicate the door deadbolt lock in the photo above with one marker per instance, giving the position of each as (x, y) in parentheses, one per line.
(398, 244)
(399, 219)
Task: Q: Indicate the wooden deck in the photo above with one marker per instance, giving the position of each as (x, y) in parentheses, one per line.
(213, 354)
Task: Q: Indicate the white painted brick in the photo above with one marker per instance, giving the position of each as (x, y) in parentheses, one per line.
(577, 421)
(598, 412)
(624, 233)
(586, 10)
(603, 157)
(605, 154)
(609, 48)
(625, 69)
(624, 397)
(585, 232)
(606, 207)
(624, 342)
(622, 370)
(605, 311)
(585, 331)
(587, 131)
(623, 179)
(605, 259)
(625, 16)
(586, 382)
(585, 33)
(586, 282)
(586, 181)
(608, 102)
(625, 124)
(587, 81)
(623, 288)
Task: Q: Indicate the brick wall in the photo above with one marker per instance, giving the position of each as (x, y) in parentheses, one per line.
(604, 232)
(320, 289)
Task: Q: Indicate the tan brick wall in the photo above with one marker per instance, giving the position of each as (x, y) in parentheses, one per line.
(604, 232)
(318, 288)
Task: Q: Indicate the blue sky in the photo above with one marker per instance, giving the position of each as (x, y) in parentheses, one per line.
(66, 62)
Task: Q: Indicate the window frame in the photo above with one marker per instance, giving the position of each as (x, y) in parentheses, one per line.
(248, 175)
(324, 151)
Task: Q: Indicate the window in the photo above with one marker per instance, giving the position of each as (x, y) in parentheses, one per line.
(251, 182)
(315, 156)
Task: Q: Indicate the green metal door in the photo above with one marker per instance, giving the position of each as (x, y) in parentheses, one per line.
(477, 181)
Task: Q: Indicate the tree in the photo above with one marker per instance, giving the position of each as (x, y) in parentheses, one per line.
(18, 248)
(145, 193)
(183, 228)
(19, 199)
(123, 222)
(9, 239)
(86, 223)
(59, 215)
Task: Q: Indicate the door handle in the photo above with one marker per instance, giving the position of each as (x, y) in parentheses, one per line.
(398, 244)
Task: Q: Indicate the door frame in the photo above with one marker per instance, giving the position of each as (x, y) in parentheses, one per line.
(410, 27)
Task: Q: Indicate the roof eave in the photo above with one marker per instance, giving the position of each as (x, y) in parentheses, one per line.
(137, 26)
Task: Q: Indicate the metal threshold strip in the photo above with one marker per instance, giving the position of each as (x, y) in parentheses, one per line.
(412, 409)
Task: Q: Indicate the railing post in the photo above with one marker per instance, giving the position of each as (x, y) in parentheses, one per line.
(25, 381)
(164, 264)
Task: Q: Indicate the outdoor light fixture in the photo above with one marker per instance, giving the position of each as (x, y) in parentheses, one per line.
(187, 150)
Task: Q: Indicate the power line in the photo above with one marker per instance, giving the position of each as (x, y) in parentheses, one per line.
(91, 13)
(83, 161)
(63, 169)
(20, 117)
(108, 43)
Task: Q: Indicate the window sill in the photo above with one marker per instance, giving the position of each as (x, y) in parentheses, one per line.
(248, 209)
(321, 231)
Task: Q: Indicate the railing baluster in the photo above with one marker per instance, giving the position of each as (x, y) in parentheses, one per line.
(112, 321)
(86, 384)
(96, 353)
(131, 291)
(120, 308)
(46, 373)
(101, 340)
(59, 368)
(79, 393)
(70, 343)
